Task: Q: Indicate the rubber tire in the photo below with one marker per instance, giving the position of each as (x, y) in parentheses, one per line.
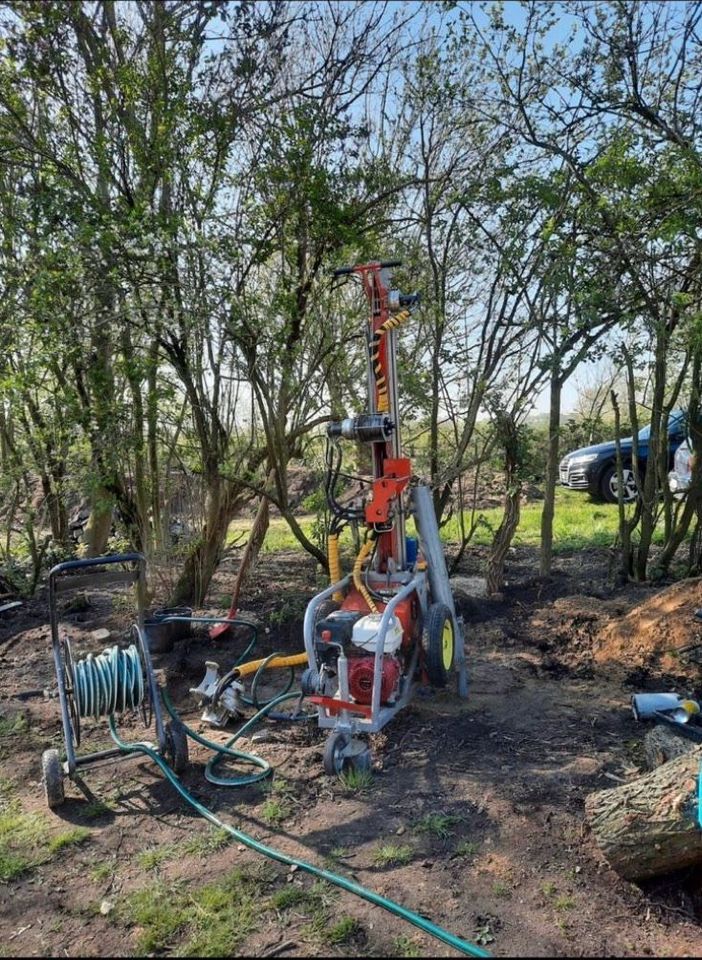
(177, 740)
(433, 644)
(52, 778)
(334, 763)
(606, 478)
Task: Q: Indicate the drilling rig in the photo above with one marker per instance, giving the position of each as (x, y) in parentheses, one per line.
(372, 636)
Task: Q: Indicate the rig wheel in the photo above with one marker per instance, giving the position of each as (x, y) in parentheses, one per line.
(52, 777)
(335, 753)
(439, 643)
(177, 746)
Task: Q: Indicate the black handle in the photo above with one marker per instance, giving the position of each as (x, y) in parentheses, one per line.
(345, 271)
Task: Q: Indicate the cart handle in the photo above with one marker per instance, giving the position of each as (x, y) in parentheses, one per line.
(76, 582)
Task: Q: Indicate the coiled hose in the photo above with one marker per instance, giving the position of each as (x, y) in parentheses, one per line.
(114, 681)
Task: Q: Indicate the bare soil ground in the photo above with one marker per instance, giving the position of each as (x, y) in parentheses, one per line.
(474, 816)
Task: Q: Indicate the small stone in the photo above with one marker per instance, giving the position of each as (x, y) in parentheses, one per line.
(100, 635)
(105, 907)
(293, 868)
(241, 846)
(400, 831)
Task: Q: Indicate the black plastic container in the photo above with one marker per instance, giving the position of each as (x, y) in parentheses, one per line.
(163, 635)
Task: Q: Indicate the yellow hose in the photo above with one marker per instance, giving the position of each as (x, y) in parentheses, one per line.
(334, 564)
(390, 324)
(252, 666)
(364, 552)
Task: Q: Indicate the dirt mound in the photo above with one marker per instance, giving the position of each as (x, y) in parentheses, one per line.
(660, 633)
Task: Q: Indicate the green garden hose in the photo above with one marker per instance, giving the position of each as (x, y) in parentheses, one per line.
(221, 752)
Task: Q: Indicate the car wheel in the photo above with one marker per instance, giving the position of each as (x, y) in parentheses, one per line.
(609, 484)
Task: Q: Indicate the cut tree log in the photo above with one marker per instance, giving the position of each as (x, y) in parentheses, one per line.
(649, 826)
(662, 744)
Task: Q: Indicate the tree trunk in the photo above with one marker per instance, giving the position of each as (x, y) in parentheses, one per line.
(554, 426)
(649, 827)
(191, 588)
(503, 538)
(253, 547)
(97, 530)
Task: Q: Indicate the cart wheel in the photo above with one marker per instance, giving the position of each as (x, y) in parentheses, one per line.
(52, 776)
(361, 761)
(438, 642)
(177, 745)
(334, 756)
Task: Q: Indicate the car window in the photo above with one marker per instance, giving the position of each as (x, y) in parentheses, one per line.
(676, 426)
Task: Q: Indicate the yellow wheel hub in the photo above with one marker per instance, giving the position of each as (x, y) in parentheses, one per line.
(447, 645)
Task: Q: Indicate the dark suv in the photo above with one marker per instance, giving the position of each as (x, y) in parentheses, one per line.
(595, 468)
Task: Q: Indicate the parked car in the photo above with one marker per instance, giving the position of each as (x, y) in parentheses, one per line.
(680, 476)
(594, 468)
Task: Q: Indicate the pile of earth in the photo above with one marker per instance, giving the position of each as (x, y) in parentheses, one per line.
(660, 634)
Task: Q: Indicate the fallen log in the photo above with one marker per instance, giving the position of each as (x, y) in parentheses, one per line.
(662, 744)
(649, 826)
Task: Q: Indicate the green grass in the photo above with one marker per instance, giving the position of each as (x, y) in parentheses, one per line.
(356, 781)
(212, 920)
(203, 844)
(289, 896)
(13, 726)
(101, 872)
(199, 845)
(437, 825)
(155, 856)
(343, 930)
(275, 811)
(69, 838)
(97, 809)
(21, 835)
(466, 848)
(578, 523)
(389, 854)
(500, 889)
(406, 947)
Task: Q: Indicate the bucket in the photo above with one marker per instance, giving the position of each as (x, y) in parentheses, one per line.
(161, 635)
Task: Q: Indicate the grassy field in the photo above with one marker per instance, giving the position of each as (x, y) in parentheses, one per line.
(578, 523)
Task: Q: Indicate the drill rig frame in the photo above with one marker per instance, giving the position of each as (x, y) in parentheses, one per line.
(372, 635)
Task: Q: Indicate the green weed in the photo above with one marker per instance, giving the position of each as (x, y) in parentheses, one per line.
(13, 726)
(153, 858)
(343, 930)
(406, 947)
(275, 811)
(437, 824)
(564, 903)
(392, 853)
(500, 889)
(289, 896)
(97, 809)
(466, 848)
(101, 872)
(203, 844)
(356, 781)
(69, 838)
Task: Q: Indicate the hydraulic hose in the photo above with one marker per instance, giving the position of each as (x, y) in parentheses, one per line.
(350, 886)
(363, 554)
(380, 381)
(334, 563)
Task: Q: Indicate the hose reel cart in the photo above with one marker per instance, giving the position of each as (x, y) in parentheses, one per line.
(118, 680)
